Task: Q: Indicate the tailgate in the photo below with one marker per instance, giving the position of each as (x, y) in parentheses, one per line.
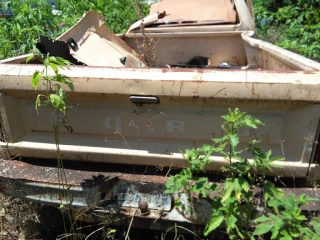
(184, 111)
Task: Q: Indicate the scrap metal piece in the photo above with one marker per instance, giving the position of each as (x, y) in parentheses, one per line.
(94, 44)
(56, 48)
(196, 10)
(148, 20)
(224, 65)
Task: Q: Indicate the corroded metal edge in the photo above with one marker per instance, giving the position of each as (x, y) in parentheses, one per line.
(116, 195)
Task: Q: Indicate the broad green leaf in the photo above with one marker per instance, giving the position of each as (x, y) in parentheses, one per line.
(294, 233)
(35, 79)
(275, 202)
(213, 223)
(253, 142)
(36, 51)
(64, 79)
(169, 191)
(54, 67)
(276, 159)
(62, 63)
(231, 222)
(23, 48)
(218, 140)
(262, 229)
(316, 225)
(237, 189)
(275, 232)
(271, 192)
(234, 140)
(60, 92)
(198, 187)
(285, 235)
(250, 122)
(261, 219)
(29, 58)
(52, 59)
(268, 154)
(303, 199)
(57, 102)
(206, 147)
(38, 102)
(290, 202)
(18, 27)
(239, 233)
(300, 217)
(46, 61)
(228, 190)
(244, 184)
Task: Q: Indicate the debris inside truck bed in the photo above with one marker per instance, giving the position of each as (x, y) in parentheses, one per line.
(90, 42)
(56, 48)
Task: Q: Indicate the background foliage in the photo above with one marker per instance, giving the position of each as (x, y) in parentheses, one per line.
(292, 24)
(31, 18)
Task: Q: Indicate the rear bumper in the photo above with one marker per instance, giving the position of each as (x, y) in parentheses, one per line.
(113, 195)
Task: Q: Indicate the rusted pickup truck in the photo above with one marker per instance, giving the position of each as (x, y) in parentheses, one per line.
(131, 121)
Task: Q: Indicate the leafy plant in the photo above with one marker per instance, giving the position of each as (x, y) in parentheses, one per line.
(180, 183)
(234, 206)
(19, 33)
(54, 98)
(286, 220)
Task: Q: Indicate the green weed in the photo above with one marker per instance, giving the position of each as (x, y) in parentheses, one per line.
(233, 208)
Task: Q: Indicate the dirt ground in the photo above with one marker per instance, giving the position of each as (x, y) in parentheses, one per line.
(23, 220)
(15, 217)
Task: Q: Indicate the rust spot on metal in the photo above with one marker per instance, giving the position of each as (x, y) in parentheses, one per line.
(21, 170)
(309, 72)
(180, 88)
(14, 173)
(186, 70)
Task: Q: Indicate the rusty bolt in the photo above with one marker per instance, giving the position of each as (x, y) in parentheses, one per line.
(143, 206)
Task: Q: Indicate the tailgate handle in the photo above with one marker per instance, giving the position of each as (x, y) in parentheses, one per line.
(139, 100)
